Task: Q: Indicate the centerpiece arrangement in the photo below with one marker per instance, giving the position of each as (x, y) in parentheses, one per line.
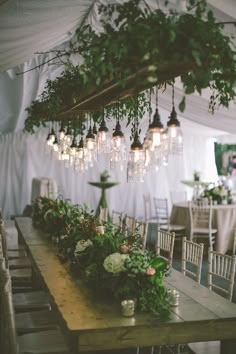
(218, 194)
(111, 264)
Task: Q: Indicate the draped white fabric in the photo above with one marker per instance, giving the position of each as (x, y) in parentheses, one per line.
(27, 27)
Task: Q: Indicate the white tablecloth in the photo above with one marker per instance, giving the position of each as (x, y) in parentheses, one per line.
(223, 219)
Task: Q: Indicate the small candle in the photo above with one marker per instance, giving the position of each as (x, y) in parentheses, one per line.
(127, 308)
(173, 297)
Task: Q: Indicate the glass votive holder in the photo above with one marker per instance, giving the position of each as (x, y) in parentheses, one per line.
(173, 295)
(127, 308)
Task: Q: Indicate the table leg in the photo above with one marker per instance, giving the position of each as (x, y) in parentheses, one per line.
(228, 346)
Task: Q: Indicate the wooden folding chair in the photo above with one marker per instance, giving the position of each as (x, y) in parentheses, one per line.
(117, 218)
(45, 342)
(148, 209)
(221, 273)
(129, 225)
(234, 244)
(162, 216)
(200, 213)
(25, 299)
(141, 228)
(164, 245)
(192, 256)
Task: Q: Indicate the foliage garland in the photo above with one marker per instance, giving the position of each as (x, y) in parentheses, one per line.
(132, 37)
(111, 264)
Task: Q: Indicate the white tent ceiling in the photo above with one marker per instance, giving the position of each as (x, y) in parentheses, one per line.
(28, 27)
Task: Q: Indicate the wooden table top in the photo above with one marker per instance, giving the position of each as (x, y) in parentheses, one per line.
(201, 315)
(28, 233)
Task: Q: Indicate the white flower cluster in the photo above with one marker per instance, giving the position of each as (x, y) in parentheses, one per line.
(115, 262)
(82, 245)
(81, 218)
(63, 237)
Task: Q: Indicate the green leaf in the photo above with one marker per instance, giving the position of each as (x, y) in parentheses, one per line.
(182, 105)
(197, 57)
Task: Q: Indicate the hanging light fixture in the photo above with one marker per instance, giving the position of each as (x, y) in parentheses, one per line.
(118, 145)
(68, 137)
(175, 136)
(51, 138)
(103, 140)
(164, 147)
(154, 135)
(146, 140)
(55, 145)
(61, 133)
(90, 139)
(91, 147)
(136, 160)
(95, 131)
(73, 150)
(80, 158)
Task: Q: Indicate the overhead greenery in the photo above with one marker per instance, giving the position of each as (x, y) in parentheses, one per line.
(132, 37)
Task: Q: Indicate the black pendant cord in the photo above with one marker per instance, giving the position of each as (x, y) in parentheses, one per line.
(173, 95)
(156, 97)
(150, 106)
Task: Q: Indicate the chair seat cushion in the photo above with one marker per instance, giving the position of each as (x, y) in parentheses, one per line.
(36, 321)
(202, 231)
(14, 254)
(31, 300)
(43, 343)
(21, 274)
(19, 263)
(173, 227)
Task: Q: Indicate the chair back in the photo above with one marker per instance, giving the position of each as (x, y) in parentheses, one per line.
(161, 210)
(148, 214)
(1, 245)
(221, 273)
(200, 214)
(141, 229)
(178, 196)
(234, 244)
(103, 214)
(3, 241)
(117, 218)
(129, 224)
(8, 328)
(164, 245)
(192, 256)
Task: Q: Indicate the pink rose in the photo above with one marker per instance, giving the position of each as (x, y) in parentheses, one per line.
(150, 271)
(124, 249)
(100, 229)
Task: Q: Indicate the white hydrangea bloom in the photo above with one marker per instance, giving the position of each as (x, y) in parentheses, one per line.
(82, 245)
(115, 262)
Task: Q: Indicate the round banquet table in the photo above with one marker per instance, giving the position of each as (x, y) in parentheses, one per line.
(223, 219)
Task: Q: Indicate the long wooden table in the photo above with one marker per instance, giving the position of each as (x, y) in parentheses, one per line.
(201, 315)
